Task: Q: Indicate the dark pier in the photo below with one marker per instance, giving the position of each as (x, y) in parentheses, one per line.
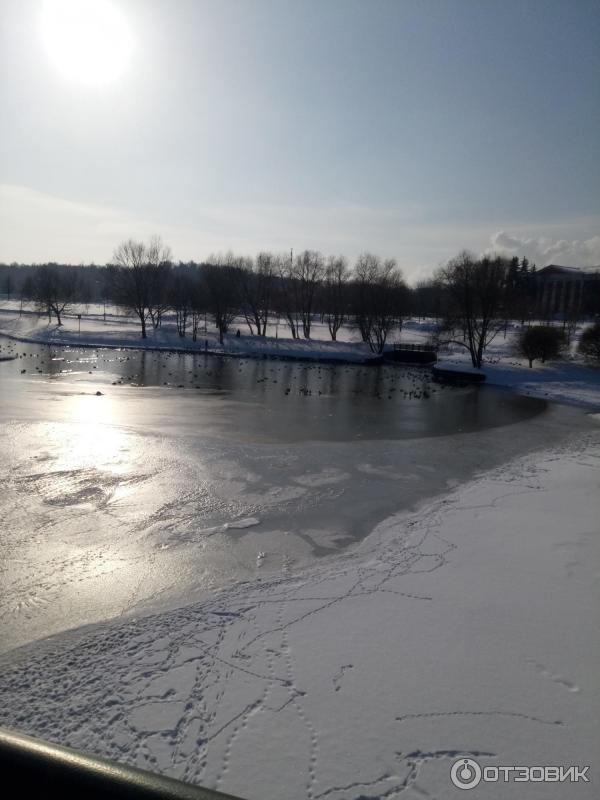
(411, 354)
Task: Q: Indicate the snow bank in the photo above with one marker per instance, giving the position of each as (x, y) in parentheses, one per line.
(124, 332)
(568, 380)
(466, 629)
(559, 381)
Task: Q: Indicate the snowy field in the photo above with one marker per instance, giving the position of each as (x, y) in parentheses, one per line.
(466, 629)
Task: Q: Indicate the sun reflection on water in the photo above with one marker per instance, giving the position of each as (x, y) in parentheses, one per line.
(94, 439)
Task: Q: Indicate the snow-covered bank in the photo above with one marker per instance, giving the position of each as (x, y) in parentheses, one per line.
(558, 381)
(567, 380)
(124, 332)
(465, 629)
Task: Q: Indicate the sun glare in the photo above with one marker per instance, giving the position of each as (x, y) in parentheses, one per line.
(88, 41)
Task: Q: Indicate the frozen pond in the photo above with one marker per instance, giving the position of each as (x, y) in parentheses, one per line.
(278, 401)
(189, 472)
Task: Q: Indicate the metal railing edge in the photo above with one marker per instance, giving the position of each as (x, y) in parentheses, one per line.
(69, 767)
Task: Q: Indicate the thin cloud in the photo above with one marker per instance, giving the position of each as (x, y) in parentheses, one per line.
(544, 250)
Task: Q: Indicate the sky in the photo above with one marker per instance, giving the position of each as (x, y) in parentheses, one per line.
(409, 128)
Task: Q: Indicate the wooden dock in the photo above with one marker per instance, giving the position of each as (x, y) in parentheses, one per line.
(411, 354)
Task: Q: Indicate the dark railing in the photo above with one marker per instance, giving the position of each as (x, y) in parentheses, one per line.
(35, 768)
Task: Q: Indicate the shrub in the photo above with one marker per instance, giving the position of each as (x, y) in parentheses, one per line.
(541, 342)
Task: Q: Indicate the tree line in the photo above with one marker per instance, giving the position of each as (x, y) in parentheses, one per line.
(271, 287)
(471, 298)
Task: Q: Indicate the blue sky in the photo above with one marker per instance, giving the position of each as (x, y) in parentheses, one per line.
(412, 129)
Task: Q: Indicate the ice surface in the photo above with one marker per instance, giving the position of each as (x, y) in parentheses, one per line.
(143, 498)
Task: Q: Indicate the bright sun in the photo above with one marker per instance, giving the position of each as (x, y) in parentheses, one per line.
(88, 41)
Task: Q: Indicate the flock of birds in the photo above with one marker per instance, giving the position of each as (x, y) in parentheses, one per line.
(302, 379)
(408, 383)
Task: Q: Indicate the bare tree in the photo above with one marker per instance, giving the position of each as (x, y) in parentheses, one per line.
(335, 294)
(299, 281)
(159, 270)
(378, 288)
(476, 289)
(221, 280)
(198, 304)
(256, 291)
(138, 277)
(308, 271)
(286, 298)
(181, 295)
(365, 271)
(54, 290)
(386, 304)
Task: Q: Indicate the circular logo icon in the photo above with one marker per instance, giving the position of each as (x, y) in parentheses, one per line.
(465, 773)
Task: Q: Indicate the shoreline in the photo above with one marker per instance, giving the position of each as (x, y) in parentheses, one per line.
(374, 360)
(167, 340)
(559, 381)
(568, 380)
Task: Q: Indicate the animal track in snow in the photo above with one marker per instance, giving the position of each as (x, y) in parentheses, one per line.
(337, 678)
(546, 673)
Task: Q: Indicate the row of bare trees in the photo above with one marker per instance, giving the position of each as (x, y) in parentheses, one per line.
(471, 298)
(295, 289)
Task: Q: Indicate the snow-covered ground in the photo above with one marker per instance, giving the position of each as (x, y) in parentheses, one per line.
(465, 629)
(121, 331)
(567, 380)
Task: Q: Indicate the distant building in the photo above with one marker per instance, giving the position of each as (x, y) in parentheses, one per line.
(560, 290)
